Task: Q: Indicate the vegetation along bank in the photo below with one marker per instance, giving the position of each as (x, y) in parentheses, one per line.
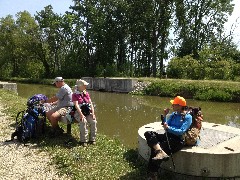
(206, 90)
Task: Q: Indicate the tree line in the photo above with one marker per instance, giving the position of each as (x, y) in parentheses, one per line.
(131, 38)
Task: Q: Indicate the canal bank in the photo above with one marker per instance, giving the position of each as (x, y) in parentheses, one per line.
(206, 90)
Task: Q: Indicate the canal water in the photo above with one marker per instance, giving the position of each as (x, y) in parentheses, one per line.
(121, 115)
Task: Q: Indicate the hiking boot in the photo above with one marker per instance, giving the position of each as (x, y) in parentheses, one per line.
(152, 176)
(83, 144)
(56, 132)
(160, 154)
(52, 133)
(92, 142)
(59, 130)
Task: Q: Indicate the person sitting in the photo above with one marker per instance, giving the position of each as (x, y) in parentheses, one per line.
(84, 113)
(62, 101)
(162, 145)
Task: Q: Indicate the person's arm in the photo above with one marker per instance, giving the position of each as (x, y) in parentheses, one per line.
(92, 109)
(78, 109)
(185, 126)
(52, 100)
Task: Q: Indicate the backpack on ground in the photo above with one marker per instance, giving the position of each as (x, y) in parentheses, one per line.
(192, 136)
(31, 122)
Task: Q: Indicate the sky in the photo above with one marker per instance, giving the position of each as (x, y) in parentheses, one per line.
(13, 6)
(61, 6)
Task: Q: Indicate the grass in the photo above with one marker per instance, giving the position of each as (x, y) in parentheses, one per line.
(108, 159)
(206, 90)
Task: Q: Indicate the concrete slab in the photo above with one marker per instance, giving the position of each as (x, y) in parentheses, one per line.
(218, 154)
(122, 85)
(9, 86)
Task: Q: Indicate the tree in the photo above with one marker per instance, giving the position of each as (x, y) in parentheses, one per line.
(49, 23)
(7, 46)
(197, 23)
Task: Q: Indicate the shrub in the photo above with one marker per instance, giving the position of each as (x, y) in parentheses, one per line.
(185, 68)
(222, 91)
(213, 95)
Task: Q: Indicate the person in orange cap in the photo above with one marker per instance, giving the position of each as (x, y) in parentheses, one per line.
(163, 145)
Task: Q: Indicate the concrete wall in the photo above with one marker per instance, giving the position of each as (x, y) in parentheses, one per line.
(218, 161)
(9, 86)
(111, 84)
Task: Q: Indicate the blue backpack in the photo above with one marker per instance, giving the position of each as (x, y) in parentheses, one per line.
(30, 123)
(35, 99)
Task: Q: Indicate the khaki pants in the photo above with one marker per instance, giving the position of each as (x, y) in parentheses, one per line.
(84, 129)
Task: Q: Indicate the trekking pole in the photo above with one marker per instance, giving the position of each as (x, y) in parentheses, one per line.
(162, 118)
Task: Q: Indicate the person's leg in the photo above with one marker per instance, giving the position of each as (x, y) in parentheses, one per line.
(93, 128)
(53, 116)
(153, 140)
(175, 143)
(153, 165)
(83, 131)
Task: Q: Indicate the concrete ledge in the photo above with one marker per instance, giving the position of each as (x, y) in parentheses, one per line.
(218, 159)
(111, 84)
(9, 86)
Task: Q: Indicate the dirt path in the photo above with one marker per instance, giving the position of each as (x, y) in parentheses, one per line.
(22, 162)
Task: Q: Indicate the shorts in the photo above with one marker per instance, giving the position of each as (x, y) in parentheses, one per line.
(61, 110)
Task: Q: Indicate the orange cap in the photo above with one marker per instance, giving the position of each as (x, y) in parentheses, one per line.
(179, 100)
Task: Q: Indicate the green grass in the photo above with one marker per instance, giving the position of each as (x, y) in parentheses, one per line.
(207, 90)
(108, 159)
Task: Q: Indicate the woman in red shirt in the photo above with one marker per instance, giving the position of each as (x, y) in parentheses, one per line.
(84, 113)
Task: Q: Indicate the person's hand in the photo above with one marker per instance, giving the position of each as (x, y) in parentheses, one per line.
(165, 126)
(166, 111)
(93, 116)
(42, 101)
(82, 117)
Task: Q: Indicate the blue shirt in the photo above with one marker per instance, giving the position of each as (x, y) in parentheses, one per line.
(178, 124)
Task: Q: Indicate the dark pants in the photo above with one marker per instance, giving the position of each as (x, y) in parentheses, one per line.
(153, 138)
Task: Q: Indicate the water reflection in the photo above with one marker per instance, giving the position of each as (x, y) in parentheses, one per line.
(121, 115)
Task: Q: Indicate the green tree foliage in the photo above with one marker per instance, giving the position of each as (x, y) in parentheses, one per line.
(121, 38)
(50, 38)
(18, 39)
(198, 22)
(185, 68)
(189, 68)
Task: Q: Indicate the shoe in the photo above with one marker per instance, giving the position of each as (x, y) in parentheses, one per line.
(52, 133)
(152, 176)
(56, 132)
(83, 144)
(92, 142)
(60, 130)
(160, 154)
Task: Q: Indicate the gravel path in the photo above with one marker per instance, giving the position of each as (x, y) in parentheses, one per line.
(22, 162)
